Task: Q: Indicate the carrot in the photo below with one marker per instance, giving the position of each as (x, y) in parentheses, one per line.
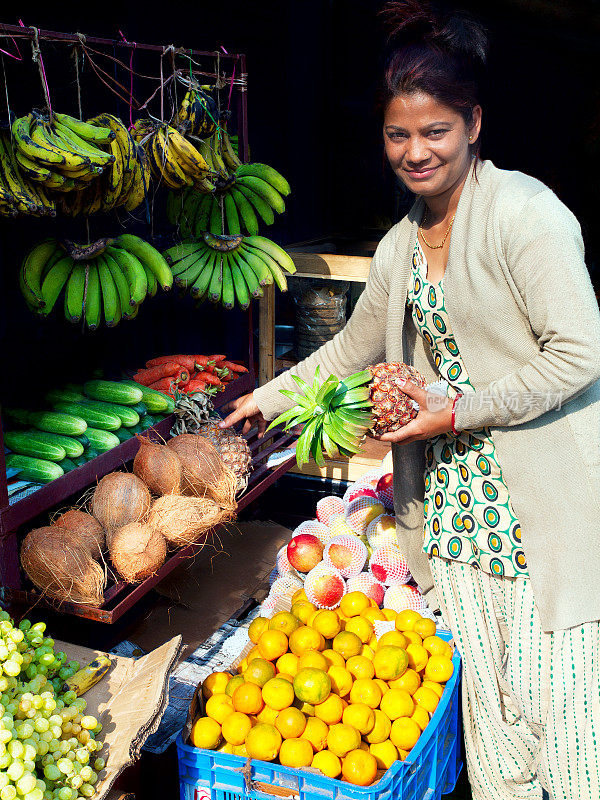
(233, 366)
(166, 385)
(189, 362)
(209, 378)
(202, 361)
(195, 386)
(225, 374)
(168, 370)
(216, 359)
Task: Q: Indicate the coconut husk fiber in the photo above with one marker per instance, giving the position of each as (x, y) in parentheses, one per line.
(203, 470)
(61, 567)
(158, 466)
(85, 529)
(183, 520)
(136, 551)
(120, 498)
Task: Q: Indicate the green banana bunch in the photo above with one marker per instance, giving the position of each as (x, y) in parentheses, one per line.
(198, 113)
(256, 193)
(61, 153)
(18, 193)
(107, 279)
(226, 269)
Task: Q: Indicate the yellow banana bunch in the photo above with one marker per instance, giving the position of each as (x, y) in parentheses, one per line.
(173, 159)
(18, 193)
(198, 114)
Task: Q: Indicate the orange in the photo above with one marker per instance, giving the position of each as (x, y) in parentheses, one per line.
(360, 667)
(390, 662)
(312, 685)
(405, 733)
(316, 733)
(241, 667)
(385, 753)
(287, 663)
(327, 623)
(295, 753)
(206, 733)
(333, 659)
(373, 614)
(215, 683)
(305, 708)
(359, 768)
(254, 653)
(286, 677)
(278, 693)
(302, 610)
(347, 644)
(268, 715)
(313, 658)
(389, 614)
(436, 687)
(409, 681)
(406, 619)
(330, 710)
(236, 727)
(417, 656)
(248, 698)
(421, 717)
(439, 669)
(327, 763)
(311, 619)
(232, 685)
(341, 739)
(272, 644)
(402, 754)
(365, 690)
(413, 638)
(305, 638)
(381, 729)
(263, 742)
(353, 603)
(397, 703)
(427, 698)
(435, 645)
(240, 750)
(290, 723)
(219, 706)
(393, 637)
(368, 652)
(383, 685)
(359, 716)
(341, 680)
(284, 621)
(361, 627)
(373, 603)
(257, 626)
(298, 595)
(226, 748)
(425, 627)
(259, 671)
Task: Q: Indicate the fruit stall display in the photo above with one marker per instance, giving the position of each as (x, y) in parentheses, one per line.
(136, 218)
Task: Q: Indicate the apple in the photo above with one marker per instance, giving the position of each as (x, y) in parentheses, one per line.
(367, 584)
(324, 586)
(385, 490)
(304, 552)
(347, 554)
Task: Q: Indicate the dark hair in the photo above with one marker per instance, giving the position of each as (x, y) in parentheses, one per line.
(441, 55)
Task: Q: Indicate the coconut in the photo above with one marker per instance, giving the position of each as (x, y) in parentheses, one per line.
(204, 472)
(158, 466)
(85, 529)
(136, 551)
(120, 498)
(183, 520)
(61, 567)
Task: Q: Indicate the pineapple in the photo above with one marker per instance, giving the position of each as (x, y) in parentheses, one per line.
(337, 414)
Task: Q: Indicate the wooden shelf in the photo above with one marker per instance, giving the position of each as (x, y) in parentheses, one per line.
(348, 469)
(332, 266)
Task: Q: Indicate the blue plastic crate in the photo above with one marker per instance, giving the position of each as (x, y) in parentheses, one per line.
(430, 770)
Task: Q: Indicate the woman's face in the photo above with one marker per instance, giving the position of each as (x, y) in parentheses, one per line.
(427, 143)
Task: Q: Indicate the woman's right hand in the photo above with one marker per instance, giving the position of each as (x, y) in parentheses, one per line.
(245, 408)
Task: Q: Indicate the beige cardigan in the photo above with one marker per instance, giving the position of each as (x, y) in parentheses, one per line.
(527, 324)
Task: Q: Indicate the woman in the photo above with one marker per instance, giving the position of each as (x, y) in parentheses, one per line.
(497, 495)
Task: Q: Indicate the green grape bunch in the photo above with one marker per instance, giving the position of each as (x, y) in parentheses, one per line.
(48, 745)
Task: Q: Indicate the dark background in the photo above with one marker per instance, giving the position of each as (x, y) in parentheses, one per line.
(313, 70)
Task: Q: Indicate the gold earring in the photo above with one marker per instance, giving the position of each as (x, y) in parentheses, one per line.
(470, 137)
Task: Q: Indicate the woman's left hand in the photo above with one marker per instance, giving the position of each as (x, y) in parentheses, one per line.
(434, 417)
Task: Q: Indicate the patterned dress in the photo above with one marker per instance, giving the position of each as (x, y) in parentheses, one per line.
(468, 513)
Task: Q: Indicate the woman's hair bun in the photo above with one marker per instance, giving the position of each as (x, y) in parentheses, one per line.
(415, 21)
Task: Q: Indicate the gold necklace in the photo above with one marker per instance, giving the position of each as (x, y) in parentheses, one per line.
(435, 246)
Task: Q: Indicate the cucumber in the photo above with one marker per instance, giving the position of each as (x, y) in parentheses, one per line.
(140, 427)
(123, 434)
(104, 420)
(113, 392)
(79, 461)
(27, 444)
(126, 414)
(63, 396)
(153, 400)
(102, 440)
(83, 440)
(141, 409)
(149, 421)
(90, 453)
(68, 465)
(34, 469)
(50, 421)
(73, 447)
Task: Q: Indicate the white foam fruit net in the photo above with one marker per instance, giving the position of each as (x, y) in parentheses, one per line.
(367, 584)
(400, 598)
(328, 507)
(345, 553)
(389, 566)
(324, 586)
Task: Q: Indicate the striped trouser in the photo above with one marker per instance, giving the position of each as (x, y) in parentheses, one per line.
(531, 700)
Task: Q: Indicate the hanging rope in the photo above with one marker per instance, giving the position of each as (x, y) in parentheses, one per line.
(76, 55)
(37, 59)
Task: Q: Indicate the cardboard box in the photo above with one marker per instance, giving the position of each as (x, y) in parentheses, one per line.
(129, 701)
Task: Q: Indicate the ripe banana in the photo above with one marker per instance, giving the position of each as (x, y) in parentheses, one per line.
(88, 676)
